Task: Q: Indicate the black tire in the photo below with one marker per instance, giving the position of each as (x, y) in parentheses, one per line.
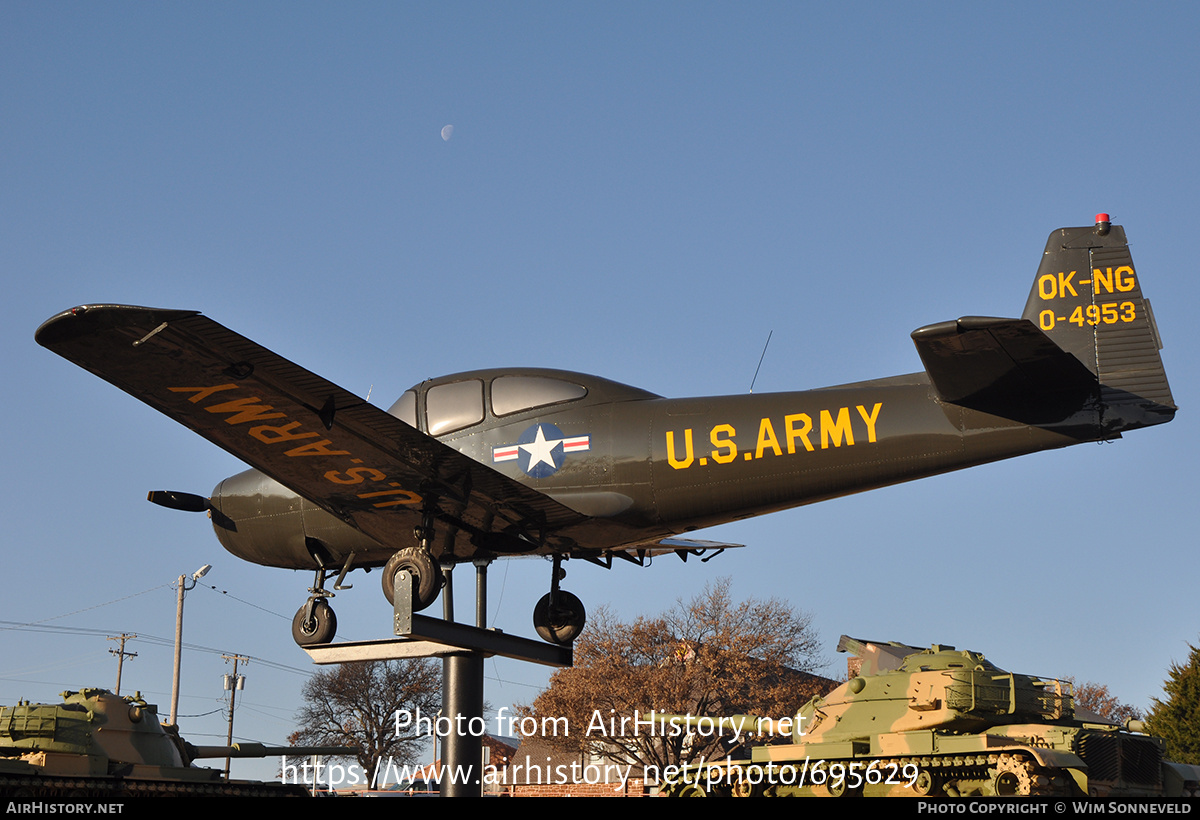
(426, 575)
(562, 623)
(320, 628)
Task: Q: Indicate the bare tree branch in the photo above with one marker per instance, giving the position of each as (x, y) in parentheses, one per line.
(355, 704)
(709, 656)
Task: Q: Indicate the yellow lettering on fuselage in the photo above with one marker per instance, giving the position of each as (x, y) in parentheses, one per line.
(870, 419)
(686, 461)
(723, 444)
(836, 427)
(834, 430)
(766, 438)
(793, 433)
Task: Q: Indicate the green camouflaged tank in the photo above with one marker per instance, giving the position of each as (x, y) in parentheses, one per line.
(940, 722)
(96, 744)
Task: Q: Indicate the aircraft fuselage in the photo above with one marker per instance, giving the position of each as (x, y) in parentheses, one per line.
(655, 467)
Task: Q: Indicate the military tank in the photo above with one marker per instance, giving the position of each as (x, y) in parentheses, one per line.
(98, 745)
(937, 722)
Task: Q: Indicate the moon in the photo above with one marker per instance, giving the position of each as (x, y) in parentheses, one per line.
(446, 132)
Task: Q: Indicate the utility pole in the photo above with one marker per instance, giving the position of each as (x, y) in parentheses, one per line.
(233, 683)
(181, 588)
(121, 654)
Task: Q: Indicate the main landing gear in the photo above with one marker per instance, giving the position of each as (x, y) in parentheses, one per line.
(426, 575)
(427, 578)
(559, 616)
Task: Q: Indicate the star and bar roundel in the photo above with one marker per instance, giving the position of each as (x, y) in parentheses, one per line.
(541, 450)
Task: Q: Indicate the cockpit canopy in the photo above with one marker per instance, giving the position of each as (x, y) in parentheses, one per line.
(454, 403)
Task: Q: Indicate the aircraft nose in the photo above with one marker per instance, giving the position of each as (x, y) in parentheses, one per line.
(238, 496)
(258, 519)
(222, 501)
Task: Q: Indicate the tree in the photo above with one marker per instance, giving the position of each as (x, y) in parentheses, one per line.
(707, 657)
(1177, 719)
(356, 704)
(1096, 698)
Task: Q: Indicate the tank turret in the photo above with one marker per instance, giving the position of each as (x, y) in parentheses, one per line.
(98, 744)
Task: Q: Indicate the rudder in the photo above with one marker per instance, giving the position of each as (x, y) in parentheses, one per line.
(1087, 298)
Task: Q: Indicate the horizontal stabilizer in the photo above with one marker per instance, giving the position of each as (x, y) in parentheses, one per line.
(642, 554)
(695, 544)
(1003, 366)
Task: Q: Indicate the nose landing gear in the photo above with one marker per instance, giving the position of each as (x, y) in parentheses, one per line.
(314, 623)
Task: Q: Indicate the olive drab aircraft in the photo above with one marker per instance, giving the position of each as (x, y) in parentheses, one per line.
(495, 463)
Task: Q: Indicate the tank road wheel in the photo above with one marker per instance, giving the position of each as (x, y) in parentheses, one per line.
(1014, 776)
(840, 786)
(749, 784)
(426, 575)
(562, 622)
(924, 784)
(686, 784)
(320, 627)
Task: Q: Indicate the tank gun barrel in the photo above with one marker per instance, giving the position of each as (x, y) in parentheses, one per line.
(259, 750)
(877, 656)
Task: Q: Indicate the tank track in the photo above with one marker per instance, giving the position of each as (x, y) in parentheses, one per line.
(1001, 774)
(89, 788)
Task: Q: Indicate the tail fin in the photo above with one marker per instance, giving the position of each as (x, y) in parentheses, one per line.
(1084, 357)
(1087, 299)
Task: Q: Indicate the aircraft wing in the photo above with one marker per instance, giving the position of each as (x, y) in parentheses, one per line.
(1002, 366)
(354, 460)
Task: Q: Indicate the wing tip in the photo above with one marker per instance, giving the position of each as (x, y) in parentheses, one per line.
(84, 319)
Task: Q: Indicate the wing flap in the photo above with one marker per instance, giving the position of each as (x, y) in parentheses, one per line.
(349, 457)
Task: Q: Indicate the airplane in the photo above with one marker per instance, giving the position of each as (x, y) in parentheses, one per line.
(524, 461)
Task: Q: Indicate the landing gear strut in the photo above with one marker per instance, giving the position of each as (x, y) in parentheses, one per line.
(315, 622)
(559, 616)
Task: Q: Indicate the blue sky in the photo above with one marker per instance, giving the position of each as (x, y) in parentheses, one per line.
(641, 191)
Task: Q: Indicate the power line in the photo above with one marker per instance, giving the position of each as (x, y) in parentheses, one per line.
(85, 609)
(142, 636)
